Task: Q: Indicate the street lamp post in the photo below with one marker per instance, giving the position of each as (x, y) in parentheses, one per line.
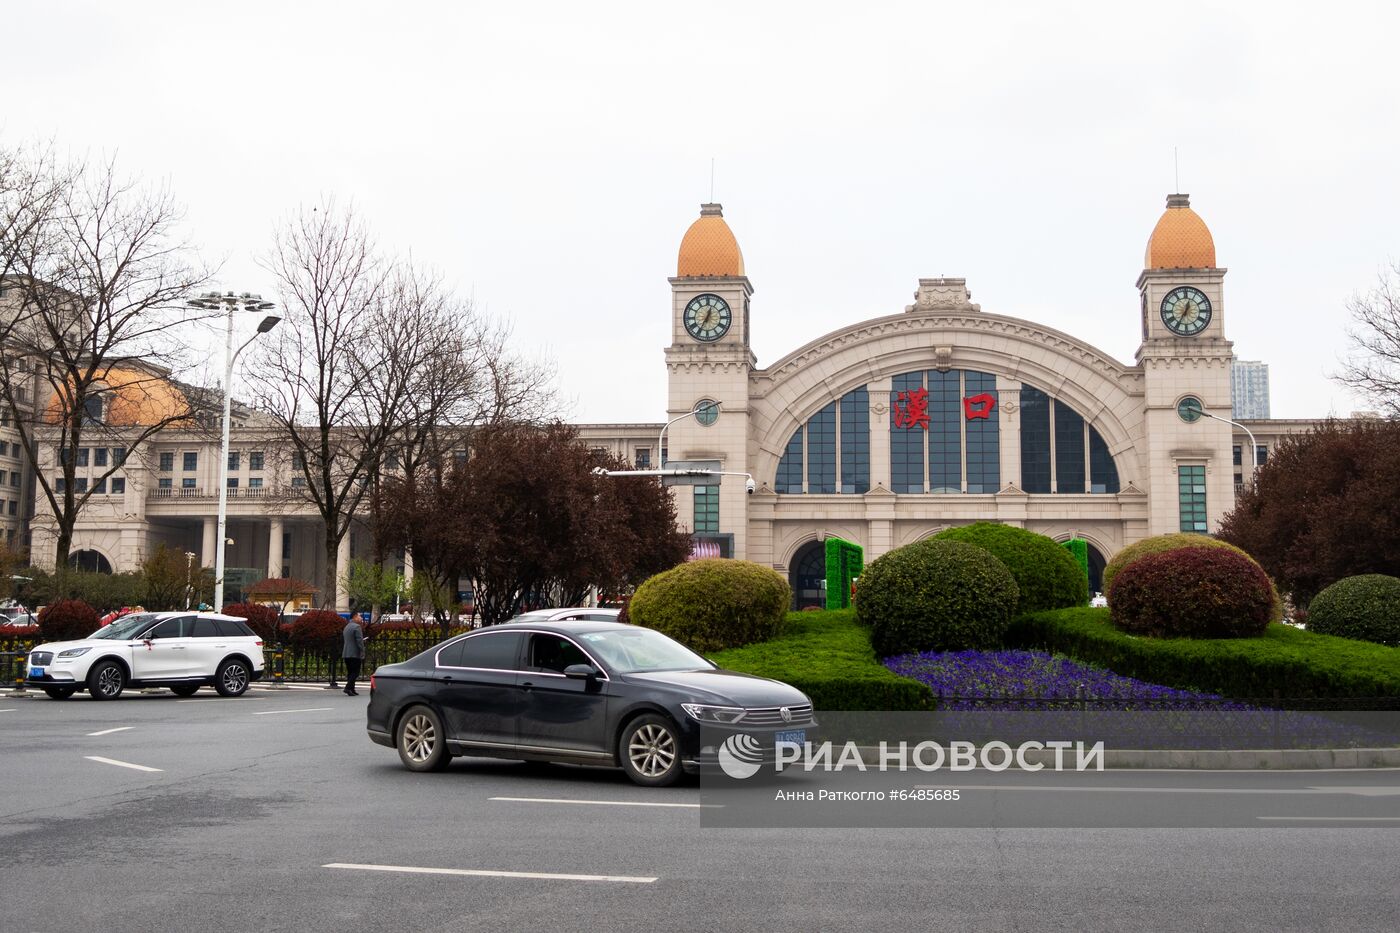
(189, 577)
(1194, 412)
(229, 303)
(693, 413)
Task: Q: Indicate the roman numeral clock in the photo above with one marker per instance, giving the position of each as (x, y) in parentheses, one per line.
(707, 318)
(1186, 311)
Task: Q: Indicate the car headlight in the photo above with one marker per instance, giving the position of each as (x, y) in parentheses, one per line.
(74, 652)
(720, 714)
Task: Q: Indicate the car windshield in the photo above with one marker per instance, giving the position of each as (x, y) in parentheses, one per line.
(640, 651)
(126, 626)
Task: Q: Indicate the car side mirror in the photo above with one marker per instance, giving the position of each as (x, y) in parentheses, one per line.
(581, 672)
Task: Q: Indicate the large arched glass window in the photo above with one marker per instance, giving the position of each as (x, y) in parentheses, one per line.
(948, 421)
(1060, 451)
(831, 452)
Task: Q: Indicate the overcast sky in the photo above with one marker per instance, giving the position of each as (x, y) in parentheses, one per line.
(549, 157)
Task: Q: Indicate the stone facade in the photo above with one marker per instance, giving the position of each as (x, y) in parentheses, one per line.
(1132, 408)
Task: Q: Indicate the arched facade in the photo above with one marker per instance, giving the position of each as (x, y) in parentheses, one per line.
(887, 430)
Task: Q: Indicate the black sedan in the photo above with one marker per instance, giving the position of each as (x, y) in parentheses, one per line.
(594, 693)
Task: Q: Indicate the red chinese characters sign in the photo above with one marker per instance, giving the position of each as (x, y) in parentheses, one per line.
(911, 408)
(979, 406)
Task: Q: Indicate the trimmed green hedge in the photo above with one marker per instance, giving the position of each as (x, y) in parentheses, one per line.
(1045, 573)
(936, 595)
(713, 604)
(1290, 661)
(827, 655)
(1365, 607)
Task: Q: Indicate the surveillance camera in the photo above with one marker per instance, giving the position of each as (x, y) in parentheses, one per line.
(749, 486)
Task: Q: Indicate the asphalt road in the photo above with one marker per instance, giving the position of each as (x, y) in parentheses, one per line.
(257, 800)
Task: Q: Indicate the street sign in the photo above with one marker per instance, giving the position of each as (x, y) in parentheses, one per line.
(703, 479)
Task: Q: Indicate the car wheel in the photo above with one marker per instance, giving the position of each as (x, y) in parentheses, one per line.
(106, 681)
(650, 751)
(184, 690)
(60, 693)
(231, 680)
(421, 741)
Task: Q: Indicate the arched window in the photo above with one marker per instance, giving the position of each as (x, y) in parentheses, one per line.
(91, 561)
(831, 452)
(947, 420)
(1060, 451)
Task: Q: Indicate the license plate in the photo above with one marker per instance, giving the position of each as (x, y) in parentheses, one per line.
(36, 672)
(795, 736)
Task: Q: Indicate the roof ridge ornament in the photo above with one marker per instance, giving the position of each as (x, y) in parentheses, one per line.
(943, 294)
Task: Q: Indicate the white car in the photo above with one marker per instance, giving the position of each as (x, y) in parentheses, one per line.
(576, 614)
(180, 650)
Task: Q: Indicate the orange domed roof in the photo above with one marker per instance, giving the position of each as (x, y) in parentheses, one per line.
(709, 248)
(1181, 239)
(131, 398)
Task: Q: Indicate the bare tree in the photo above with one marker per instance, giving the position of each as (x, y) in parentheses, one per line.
(1373, 368)
(316, 374)
(447, 368)
(94, 336)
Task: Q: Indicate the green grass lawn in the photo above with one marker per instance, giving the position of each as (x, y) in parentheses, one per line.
(1284, 660)
(827, 655)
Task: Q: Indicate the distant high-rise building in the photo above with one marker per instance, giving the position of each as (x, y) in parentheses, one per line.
(1249, 388)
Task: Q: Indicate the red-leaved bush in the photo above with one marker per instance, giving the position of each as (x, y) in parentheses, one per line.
(1192, 592)
(263, 620)
(318, 629)
(67, 619)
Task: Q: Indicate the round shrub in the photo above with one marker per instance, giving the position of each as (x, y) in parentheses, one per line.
(1047, 574)
(1179, 539)
(1365, 607)
(936, 595)
(263, 620)
(67, 620)
(1192, 592)
(712, 604)
(317, 630)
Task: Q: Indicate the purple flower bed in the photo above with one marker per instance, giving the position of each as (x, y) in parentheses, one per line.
(981, 693)
(1029, 680)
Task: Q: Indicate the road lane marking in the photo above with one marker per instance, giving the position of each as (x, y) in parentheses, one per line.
(312, 709)
(121, 764)
(1335, 819)
(110, 731)
(13, 709)
(481, 873)
(611, 803)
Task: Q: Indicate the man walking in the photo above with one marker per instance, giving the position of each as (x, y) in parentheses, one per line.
(354, 652)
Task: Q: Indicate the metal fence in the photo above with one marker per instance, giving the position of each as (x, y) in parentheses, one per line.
(296, 663)
(323, 664)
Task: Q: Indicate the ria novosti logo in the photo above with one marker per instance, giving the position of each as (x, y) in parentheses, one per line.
(740, 756)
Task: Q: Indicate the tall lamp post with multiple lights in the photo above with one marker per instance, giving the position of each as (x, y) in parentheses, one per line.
(229, 303)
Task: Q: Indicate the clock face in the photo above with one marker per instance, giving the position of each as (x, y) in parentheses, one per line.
(707, 317)
(1185, 311)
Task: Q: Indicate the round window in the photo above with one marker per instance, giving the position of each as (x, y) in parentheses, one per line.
(706, 411)
(1189, 409)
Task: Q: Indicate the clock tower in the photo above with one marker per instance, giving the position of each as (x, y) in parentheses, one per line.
(708, 364)
(1184, 355)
